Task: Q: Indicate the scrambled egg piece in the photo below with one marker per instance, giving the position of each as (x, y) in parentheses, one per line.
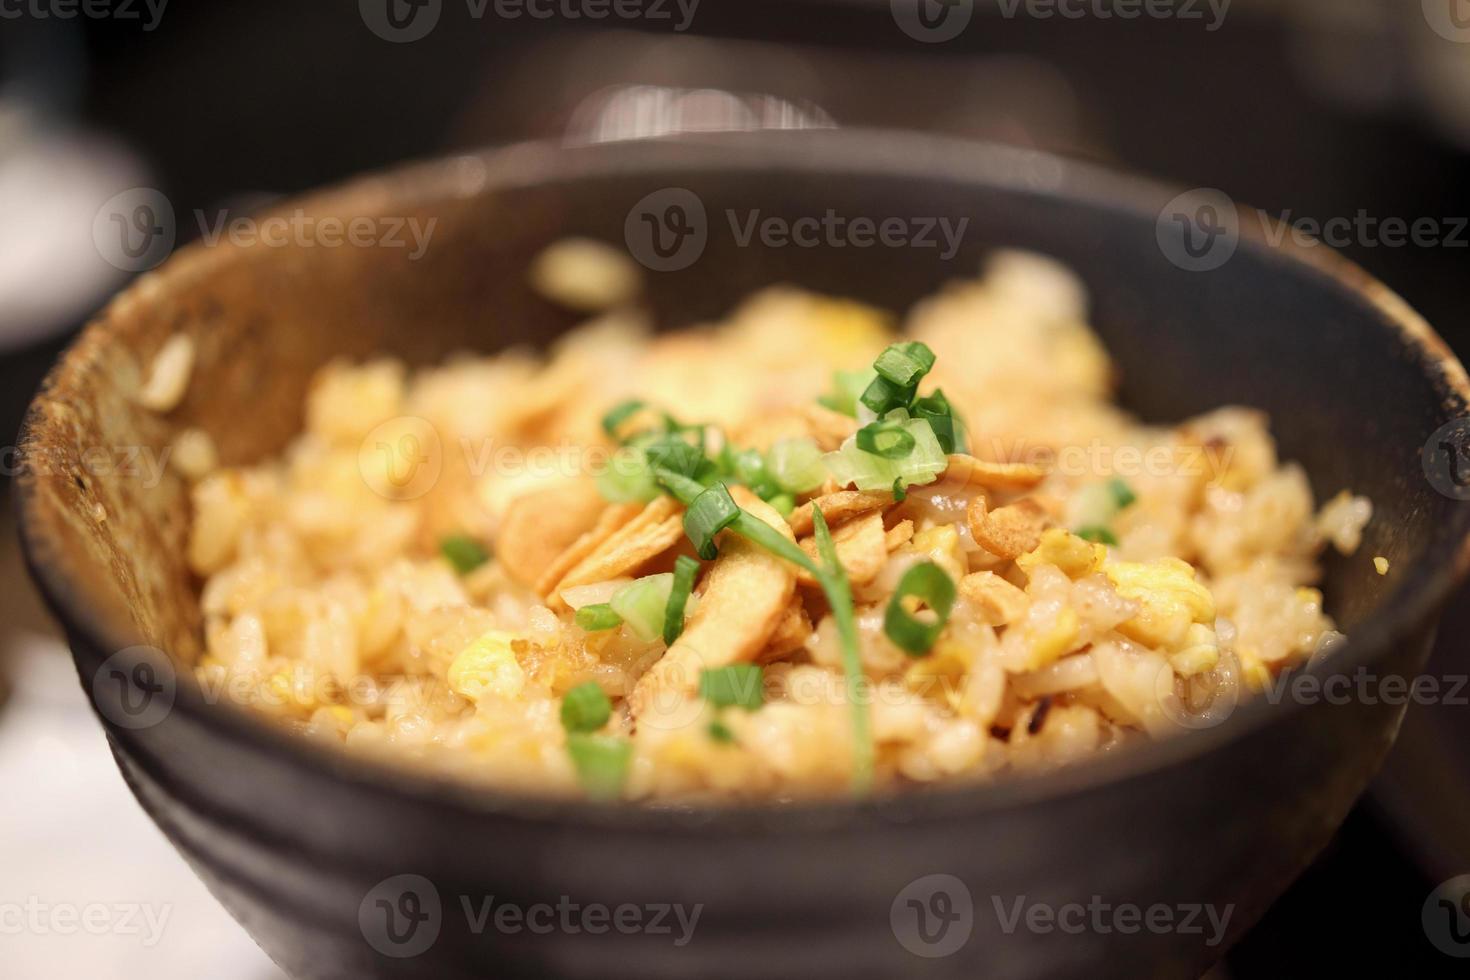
(1171, 600)
(1073, 555)
(488, 666)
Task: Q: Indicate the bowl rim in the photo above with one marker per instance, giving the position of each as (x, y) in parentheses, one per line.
(857, 152)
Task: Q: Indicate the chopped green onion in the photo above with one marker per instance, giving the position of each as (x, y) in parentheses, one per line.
(883, 396)
(720, 732)
(928, 583)
(598, 616)
(887, 439)
(585, 708)
(707, 515)
(642, 603)
(674, 452)
(685, 568)
(463, 552)
(747, 466)
(796, 464)
(868, 471)
(1122, 493)
(939, 413)
(601, 762)
(848, 387)
(833, 580)
(619, 414)
(628, 479)
(905, 363)
(738, 685)
(784, 504)
(900, 493)
(1101, 535)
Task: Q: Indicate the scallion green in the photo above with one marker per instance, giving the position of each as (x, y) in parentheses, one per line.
(928, 583)
(685, 569)
(585, 708)
(642, 603)
(796, 464)
(707, 515)
(598, 616)
(602, 763)
(733, 686)
(463, 552)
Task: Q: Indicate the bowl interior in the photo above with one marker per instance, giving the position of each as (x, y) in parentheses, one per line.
(1352, 393)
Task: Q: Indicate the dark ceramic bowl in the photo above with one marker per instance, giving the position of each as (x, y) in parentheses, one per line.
(297, 840)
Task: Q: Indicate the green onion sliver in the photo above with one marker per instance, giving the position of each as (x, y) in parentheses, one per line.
(585, 708)
(848, 387)
(1122, 494)
(602, 763)
(928, 583)
(734, 686)
(685, 568)
(796, 465)
(883, 396)
(619, 414)
(720, 732)
(463, 552)
(628, 479)
(834, 583)
(642, 603)
(707, 515)
(598, 616)
(904, 363)
(939, 413)
(890, 440)
(1101, 535)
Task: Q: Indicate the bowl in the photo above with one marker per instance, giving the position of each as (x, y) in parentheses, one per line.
(341, 867)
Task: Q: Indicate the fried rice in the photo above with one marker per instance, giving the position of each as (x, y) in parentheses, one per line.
(433, 565)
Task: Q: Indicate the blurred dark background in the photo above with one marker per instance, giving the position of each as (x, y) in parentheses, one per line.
(1312, 109)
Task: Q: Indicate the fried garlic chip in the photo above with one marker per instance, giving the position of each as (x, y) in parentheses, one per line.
(655, 530)
(838, 507)
(862, 548)
(746, 595)
(995, 476)
(791, 634)
(1007, 532)
(541, 525)
(611, 519)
